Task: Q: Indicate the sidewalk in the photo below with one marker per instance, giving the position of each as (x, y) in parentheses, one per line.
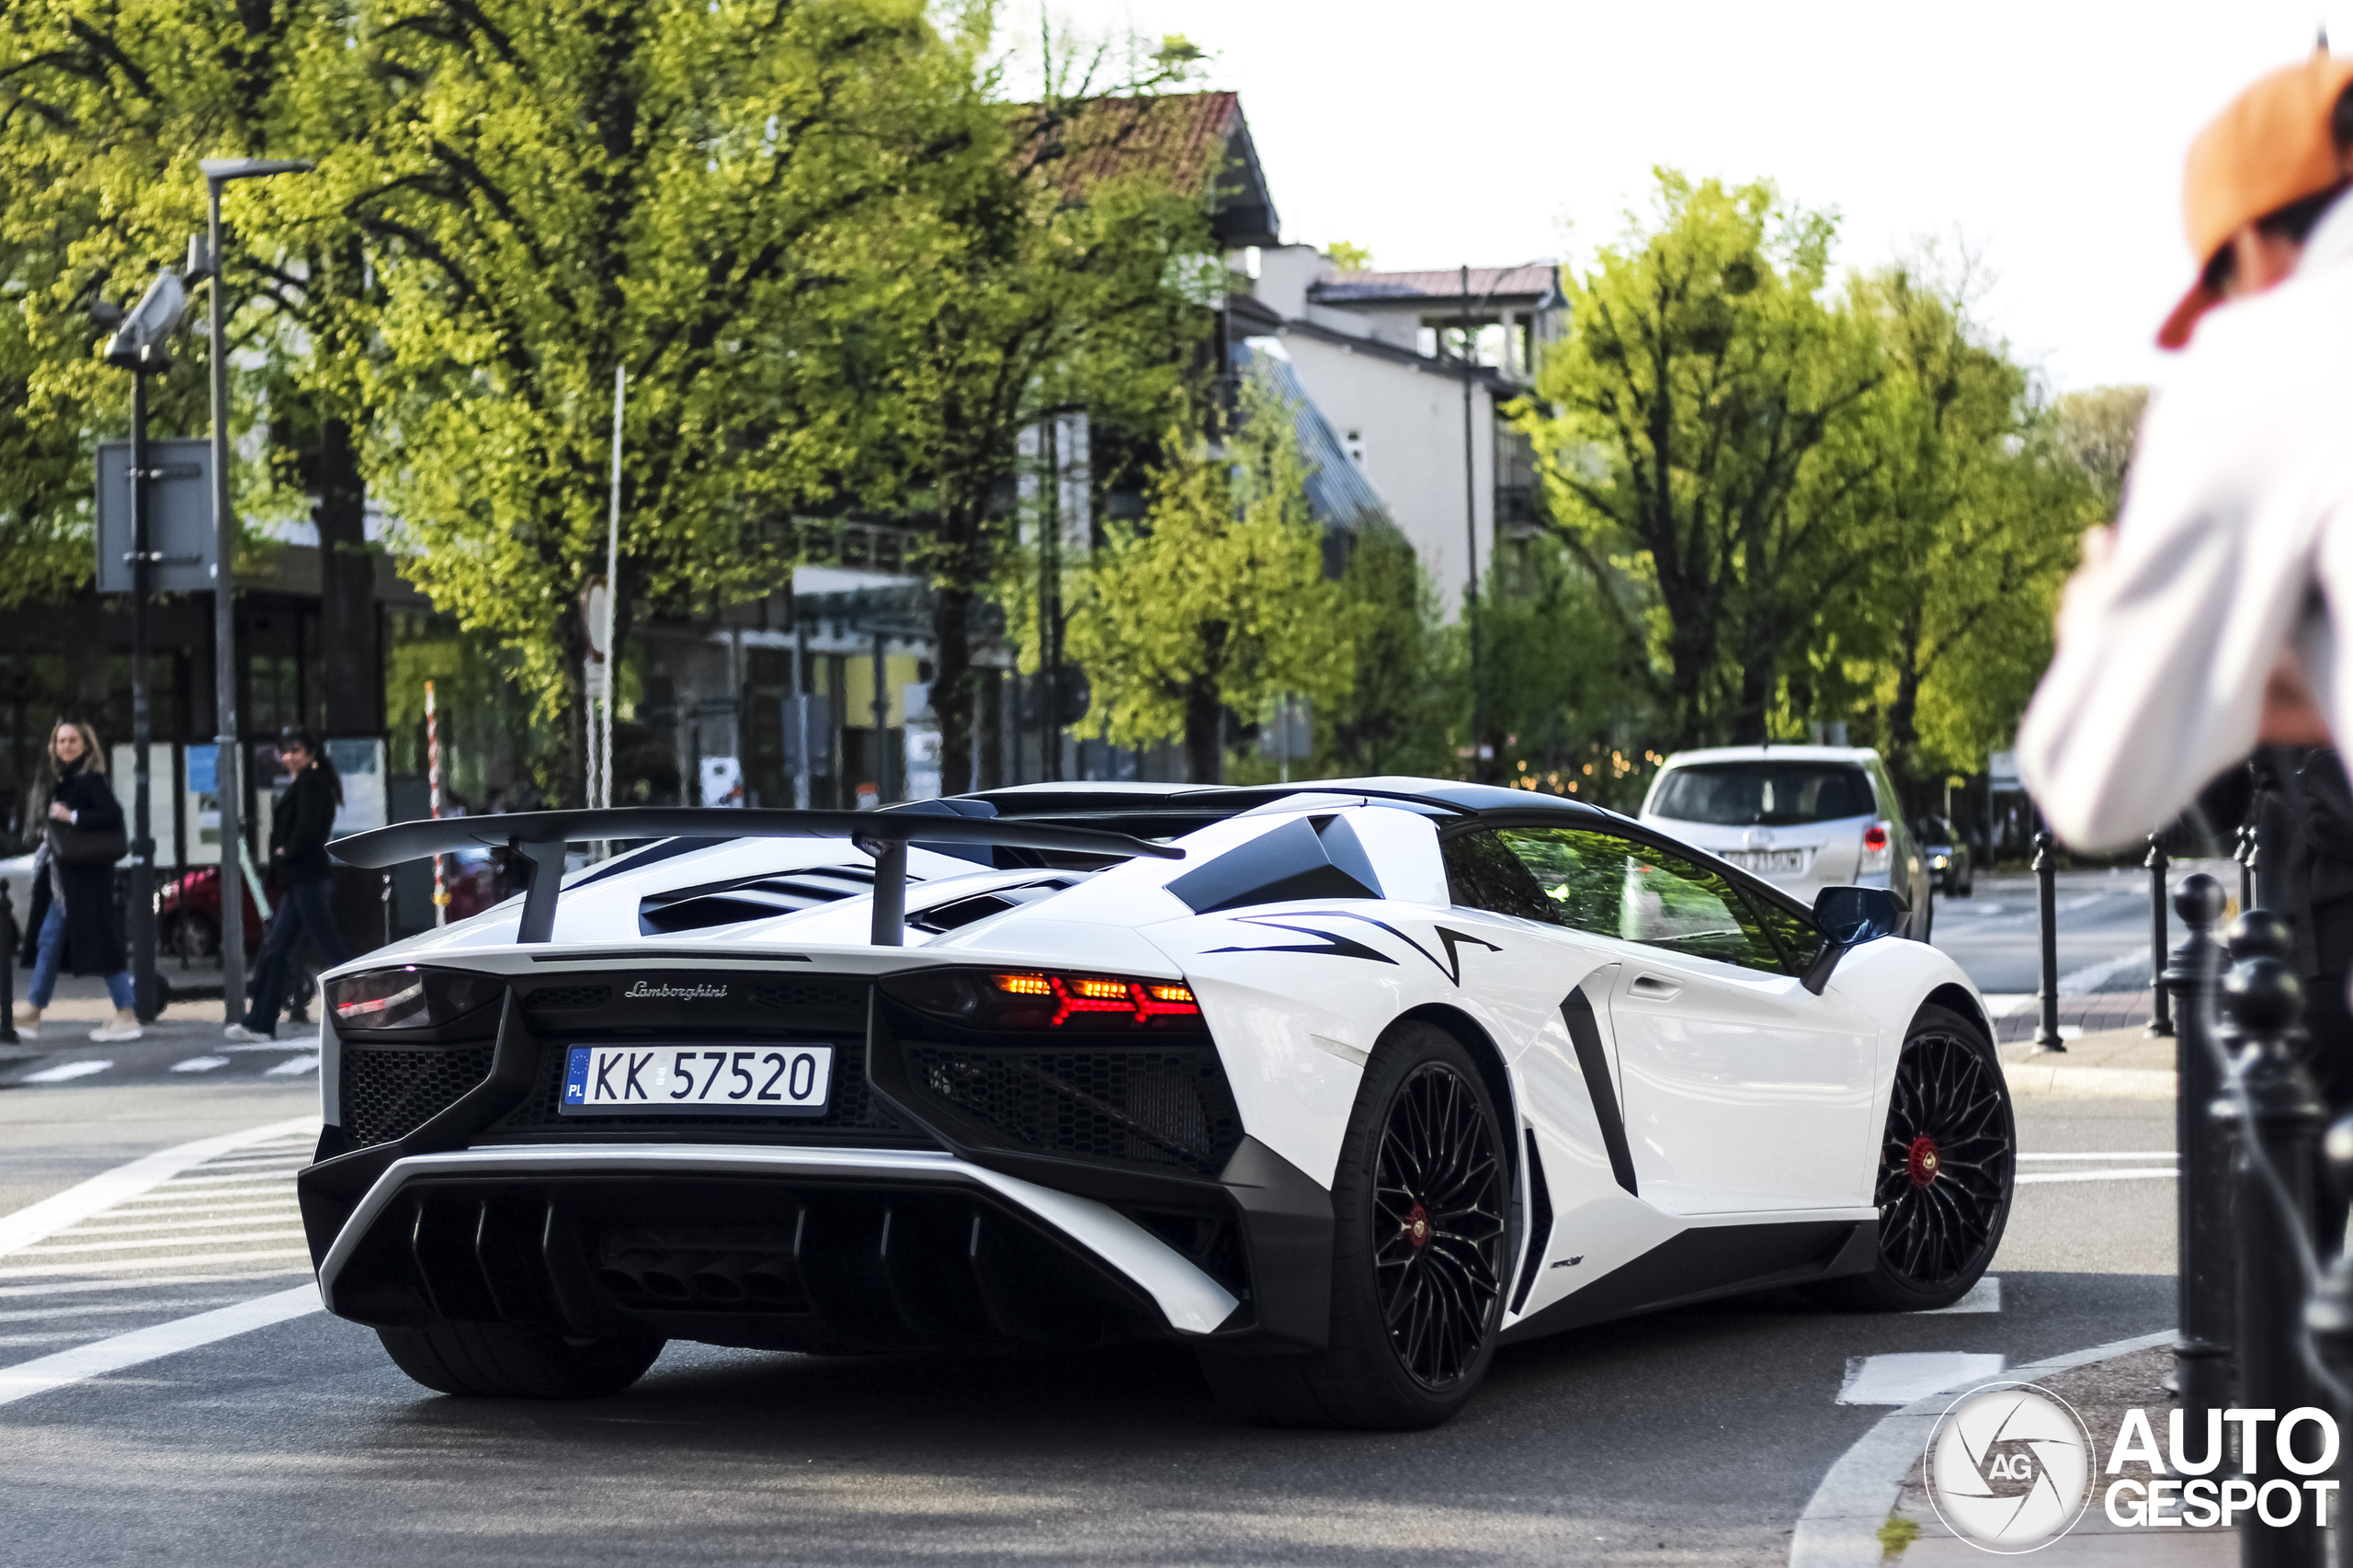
(2115, 1064)
(81, 1005)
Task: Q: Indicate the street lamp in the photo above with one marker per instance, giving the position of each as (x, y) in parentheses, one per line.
(227, 778)
(139, 346)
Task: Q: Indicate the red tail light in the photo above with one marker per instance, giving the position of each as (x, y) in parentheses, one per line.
(1874, 838)
(1143, 1000)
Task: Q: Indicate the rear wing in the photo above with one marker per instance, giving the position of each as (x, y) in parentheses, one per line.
(539, 838)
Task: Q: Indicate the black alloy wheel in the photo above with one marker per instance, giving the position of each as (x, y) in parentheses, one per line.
(1946, 1171)
(1440, 1225)
(1421, 1246)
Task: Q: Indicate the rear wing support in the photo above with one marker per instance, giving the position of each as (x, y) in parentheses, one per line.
(539, 838)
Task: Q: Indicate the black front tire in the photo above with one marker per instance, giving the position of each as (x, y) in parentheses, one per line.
(497, 1361)
(1421, 1251)
(1947, 1167)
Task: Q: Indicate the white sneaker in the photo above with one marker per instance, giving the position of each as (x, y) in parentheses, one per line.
(124, 1024)
(237, 1034)
(26, 1017)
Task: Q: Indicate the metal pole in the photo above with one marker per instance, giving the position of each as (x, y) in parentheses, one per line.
(147, 991)
(7, 968)
(2046, 872)
(612, 592)
(2205, 1307)
(227, 773)
(2329, 1317)
(1050, 596)
(2244, 855)
(2160, 999)
(2278, 1115)
(433, 801)
(1470, 540)
(882, 722)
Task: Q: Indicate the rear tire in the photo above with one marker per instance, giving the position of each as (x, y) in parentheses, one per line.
(1421, 1249)
(1946, 1172)
(499, 1360)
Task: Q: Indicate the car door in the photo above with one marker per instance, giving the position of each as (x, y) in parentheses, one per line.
(1741, 1089)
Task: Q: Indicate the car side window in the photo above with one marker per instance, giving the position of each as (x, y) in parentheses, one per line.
(1482, 872)
(1618, 887)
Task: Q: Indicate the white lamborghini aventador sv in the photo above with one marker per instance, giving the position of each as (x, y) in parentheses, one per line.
(1342, 1084)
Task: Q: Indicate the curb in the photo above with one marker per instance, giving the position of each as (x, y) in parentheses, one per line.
(2034, 1081)
(1840, 1526)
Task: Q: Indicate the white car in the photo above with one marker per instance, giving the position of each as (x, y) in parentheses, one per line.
(1342, 1085)
(1803, 818)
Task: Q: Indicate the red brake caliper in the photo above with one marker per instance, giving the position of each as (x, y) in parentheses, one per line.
(1922, 1162)
(1415, 1227)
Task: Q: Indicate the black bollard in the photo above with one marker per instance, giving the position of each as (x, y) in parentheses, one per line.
(2160, 998)
(388, 908)
(7, 969)
(2278, 1115)
(2205, 1275)
(2046, 872)
(2330, 1318)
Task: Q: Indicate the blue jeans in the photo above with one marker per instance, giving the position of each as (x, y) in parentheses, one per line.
(307, 908)
(52, 952)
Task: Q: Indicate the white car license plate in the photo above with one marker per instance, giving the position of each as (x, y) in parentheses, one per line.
(1767, 862)
(727, 1080)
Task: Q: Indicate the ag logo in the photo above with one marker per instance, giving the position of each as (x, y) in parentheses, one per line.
(2008, 1468)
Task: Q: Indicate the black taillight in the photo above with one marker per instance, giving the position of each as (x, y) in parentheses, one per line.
(409, 997)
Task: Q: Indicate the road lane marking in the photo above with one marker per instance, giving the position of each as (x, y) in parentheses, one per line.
(86, 1287)
(199, 1065)
(142, 1345)
(1905, 1375)
(2117, 1154)
(1840, 1526)
(149, 1243)
(2034, 1179)
(113, 1309)
(142, 1176)
(65, 1071)
(287, 1069)
(170, 1226)
(2088, 979)
(151, 1263)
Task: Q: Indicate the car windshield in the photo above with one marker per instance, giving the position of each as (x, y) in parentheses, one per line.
(1772, 794)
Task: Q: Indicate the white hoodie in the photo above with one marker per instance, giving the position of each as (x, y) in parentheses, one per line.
(2236, 542)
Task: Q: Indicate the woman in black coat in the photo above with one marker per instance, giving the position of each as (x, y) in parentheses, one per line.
(71, 917)
(300, 824)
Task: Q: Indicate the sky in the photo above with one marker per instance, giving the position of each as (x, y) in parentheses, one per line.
(2044, 142)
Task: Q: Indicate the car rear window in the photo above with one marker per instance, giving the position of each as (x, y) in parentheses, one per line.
(1772, 794)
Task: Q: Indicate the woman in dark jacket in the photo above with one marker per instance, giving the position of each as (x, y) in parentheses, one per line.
(302, 819)
(71, 917)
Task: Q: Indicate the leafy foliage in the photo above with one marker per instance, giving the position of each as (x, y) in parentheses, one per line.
(1218, 600)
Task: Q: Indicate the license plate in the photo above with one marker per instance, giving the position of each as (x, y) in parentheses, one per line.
(703, 1080)
(1766, 862)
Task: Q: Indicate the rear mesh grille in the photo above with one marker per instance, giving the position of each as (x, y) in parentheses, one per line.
(388, 1094)
(1164, 1105)
(807, 994)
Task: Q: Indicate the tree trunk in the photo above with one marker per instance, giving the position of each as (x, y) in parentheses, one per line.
(1204, 736)
(951, 686)
(352, 666)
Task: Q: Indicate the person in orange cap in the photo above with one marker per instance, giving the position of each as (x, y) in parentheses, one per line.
(2209, 620)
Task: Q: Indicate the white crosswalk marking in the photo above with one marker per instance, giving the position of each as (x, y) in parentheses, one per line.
(106, 1275)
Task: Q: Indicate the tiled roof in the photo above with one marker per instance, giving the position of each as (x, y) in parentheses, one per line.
(1371, 287)
(1181, 135)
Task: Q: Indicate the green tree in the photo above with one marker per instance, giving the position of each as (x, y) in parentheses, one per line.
(1704, 431)
(1563, 698)
(738, 205)
(1078, 275)
(1218, 600)
(1398, 713)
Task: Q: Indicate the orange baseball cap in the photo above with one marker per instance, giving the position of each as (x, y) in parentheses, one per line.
(2271, 147)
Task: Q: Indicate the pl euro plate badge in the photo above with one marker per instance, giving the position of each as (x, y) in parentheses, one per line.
(735, 1080)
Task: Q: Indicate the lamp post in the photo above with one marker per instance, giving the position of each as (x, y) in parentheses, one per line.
(138, 346)
(229, 777)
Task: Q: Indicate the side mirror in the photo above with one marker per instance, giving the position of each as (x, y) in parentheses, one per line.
(1848, 917)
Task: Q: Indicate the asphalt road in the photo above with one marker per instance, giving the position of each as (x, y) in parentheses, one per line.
(1687, 1436)
(1995, 935)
